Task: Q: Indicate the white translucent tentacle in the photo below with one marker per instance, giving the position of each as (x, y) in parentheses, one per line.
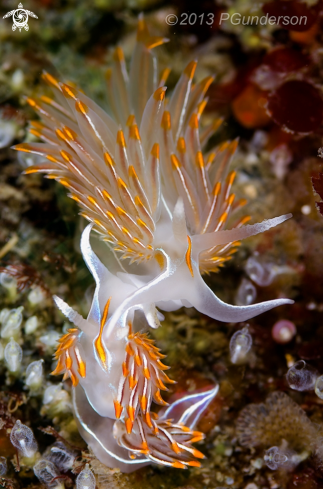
(72, 315)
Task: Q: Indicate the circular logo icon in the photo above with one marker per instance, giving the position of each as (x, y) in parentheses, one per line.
(20, 20)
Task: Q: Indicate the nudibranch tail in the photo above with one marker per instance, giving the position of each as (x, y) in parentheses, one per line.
(168, 441)
(164, 443)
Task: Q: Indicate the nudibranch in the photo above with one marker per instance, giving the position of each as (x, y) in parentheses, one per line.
(116, 380)
(143, 180)
(165, 208)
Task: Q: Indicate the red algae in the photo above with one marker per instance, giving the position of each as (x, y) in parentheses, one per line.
(297, 106)
(291, 8)
(317, 182)
(249, 107)
(286, 59)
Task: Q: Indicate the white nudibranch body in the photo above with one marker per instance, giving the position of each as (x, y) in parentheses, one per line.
(166, 209)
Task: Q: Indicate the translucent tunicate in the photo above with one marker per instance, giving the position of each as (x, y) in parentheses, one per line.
(46, 471)
(56, 399)
(7, 281)
(283, 457)
(259, 140)
(275, 458)
(301, 377)
(29, 159)
(240, 344)
(51, 393)
(36, 296)
(13, 356)
(17, 80)
(280, 158)
(319, 387)
(4, 314)
(23, 439)
(34, 374)
(31, 324)
(261, 273)
(50, 339)
(61, 456)
(3, 466)
(85, 479)
(7, 133)
(11, 324)
(246, 293)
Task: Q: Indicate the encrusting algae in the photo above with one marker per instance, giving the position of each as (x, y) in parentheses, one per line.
(280, 422)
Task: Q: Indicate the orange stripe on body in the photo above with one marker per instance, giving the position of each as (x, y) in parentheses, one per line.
(188, 256)
(98, 342)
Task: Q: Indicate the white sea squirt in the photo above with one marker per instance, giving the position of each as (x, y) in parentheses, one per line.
(34, 375)
(23, 439)
(13, 356)
(85, 479)
(48, 474)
